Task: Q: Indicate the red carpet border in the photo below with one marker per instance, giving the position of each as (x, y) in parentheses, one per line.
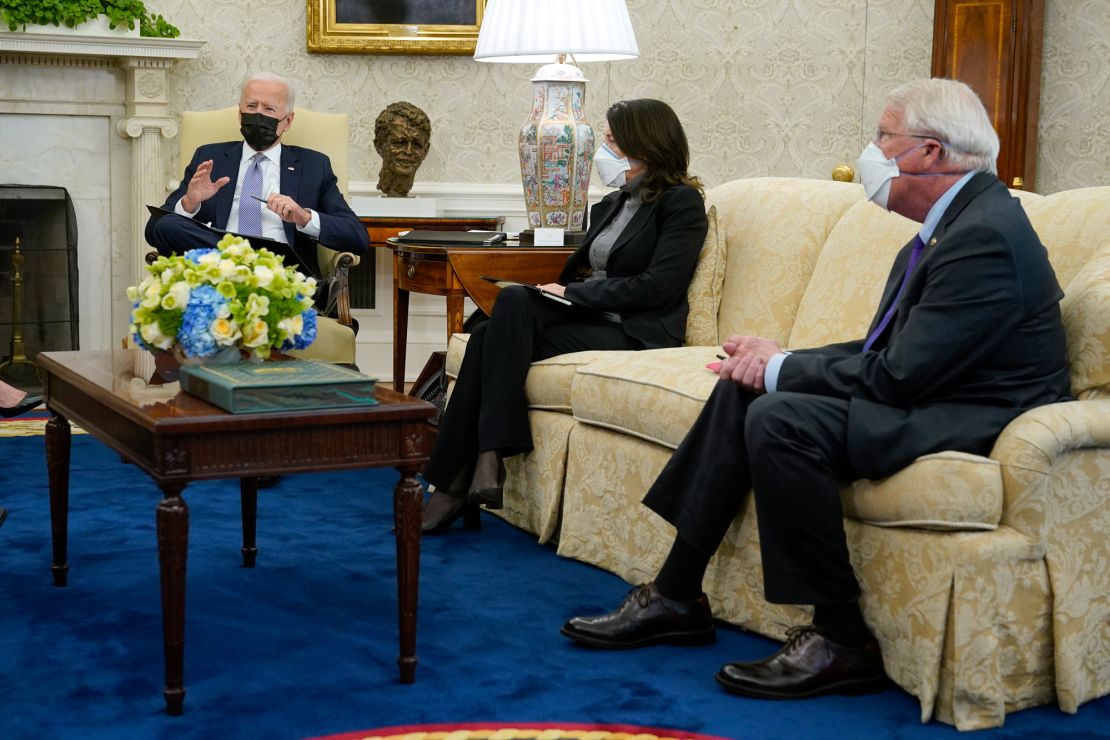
(519, 731)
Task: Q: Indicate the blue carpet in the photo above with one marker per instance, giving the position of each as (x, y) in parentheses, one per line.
(305, 644)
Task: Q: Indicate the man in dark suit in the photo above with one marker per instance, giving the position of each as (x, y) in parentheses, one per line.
(260, 187)
(967, 336)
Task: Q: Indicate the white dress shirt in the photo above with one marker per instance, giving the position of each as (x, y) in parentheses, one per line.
(272, 225)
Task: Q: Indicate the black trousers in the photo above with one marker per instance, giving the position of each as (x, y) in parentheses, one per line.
(789, 448)
(488, 409)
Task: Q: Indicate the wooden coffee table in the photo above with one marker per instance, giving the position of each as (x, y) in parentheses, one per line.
(177, 438)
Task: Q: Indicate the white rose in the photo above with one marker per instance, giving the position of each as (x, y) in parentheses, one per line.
(263, 276)
(153, 336)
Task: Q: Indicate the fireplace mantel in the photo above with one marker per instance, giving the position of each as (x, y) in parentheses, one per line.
(73, 81)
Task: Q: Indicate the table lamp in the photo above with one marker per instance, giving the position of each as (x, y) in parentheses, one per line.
(556, 142)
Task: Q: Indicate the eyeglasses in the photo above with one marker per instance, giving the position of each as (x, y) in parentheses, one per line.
(881, 136)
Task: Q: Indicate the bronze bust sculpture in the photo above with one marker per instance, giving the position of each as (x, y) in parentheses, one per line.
(402, 134)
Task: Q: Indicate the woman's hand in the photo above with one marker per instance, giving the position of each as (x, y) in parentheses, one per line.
(554, 289)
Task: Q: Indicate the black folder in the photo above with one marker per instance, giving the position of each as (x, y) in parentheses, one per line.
(448, 238)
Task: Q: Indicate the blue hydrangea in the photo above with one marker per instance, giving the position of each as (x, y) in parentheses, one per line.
(135, 337)
(194, 336)
(194, 255)
(307, 335)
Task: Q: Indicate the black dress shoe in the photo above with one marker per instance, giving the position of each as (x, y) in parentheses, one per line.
(28, 403)
(646, 617)
(491, 497)
(442, 509)
(809, 664)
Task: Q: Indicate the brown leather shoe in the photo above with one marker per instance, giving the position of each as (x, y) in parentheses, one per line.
(646, 617)
(809, 664)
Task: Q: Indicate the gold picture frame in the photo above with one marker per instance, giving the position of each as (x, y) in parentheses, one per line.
(342, 27)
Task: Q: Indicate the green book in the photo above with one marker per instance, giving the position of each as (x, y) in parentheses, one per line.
(280, 385)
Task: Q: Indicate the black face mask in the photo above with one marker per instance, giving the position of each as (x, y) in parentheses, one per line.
(259, 131)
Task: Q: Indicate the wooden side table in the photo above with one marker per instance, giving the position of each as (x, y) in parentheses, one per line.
(380, 228)
(455, 273)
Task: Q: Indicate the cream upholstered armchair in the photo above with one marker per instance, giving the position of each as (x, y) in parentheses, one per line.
(326, 133)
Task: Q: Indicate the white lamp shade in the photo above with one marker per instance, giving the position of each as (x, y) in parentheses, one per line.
(539, 30)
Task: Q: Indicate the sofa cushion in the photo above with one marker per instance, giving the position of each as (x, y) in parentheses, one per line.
(653, 394)
(945, 491)
(549, 382)
(704, 293)
(847, 281)
(1086, 314)
(1074, 225)
(772, 229)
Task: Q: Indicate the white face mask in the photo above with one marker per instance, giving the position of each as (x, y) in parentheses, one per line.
(876, 172)
(611, 168)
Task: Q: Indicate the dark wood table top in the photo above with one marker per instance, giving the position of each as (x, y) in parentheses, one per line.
(110, 394)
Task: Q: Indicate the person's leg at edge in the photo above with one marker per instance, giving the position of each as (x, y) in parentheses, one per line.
(699, 491)
(796, 443)
(449, 466)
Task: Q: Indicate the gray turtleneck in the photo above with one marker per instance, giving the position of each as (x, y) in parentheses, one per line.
(603, 243)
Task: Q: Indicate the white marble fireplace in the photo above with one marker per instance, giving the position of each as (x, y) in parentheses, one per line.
(90, 114)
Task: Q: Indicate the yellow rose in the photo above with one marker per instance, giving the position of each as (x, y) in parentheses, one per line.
(225, 331)
(255, 333)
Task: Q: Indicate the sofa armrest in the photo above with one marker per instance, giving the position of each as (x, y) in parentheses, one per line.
(336, 269)
(1032, 451)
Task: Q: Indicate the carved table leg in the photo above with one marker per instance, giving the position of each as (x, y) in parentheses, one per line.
(57, 470)
(248, 497)
(173, 547)
(407, 502)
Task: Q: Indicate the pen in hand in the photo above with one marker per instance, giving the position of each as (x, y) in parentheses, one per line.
(260, 200)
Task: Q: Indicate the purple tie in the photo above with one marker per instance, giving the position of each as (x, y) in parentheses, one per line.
(250, 210)
(915, 255)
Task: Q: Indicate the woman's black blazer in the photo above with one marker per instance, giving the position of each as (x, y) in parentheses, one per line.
(649, 268)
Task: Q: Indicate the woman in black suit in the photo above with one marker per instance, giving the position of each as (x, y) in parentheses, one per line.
(628, 286)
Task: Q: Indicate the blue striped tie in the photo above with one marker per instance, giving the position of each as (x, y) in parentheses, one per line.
(915, 254)
(250, 210)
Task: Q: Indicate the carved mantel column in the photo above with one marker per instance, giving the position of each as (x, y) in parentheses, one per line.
(146, 123)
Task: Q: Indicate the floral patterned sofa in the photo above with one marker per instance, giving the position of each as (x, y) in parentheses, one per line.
(986, 579)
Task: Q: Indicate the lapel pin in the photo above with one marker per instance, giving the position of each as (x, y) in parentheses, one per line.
(289, 168)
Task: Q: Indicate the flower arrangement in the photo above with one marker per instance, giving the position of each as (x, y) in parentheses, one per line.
(231, 297)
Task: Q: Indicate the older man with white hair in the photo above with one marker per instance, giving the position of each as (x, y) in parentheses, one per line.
(967, 336)
(260, 187)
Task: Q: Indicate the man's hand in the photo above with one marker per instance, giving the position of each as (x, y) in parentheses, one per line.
(287, 209)
(747, 361)
(201, 187)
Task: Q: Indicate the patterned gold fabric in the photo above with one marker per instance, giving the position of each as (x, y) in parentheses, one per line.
(985, 579)
(944, 491)
(773, 229)
(704, 293)
(1086, 311)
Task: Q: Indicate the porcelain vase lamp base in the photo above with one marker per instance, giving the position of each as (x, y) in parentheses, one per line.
(557, 149)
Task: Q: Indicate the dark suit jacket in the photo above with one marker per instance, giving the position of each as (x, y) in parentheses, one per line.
(977, 339)
(306, 177)
(649, 268)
